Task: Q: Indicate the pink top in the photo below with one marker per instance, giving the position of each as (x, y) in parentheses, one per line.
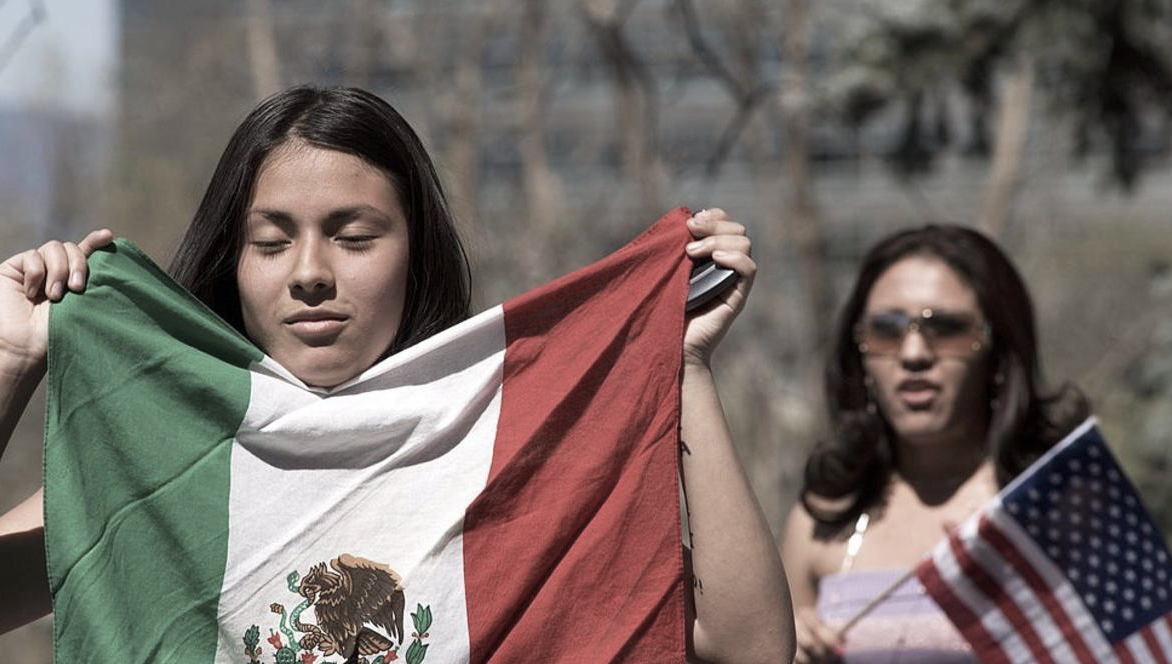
(906, 628)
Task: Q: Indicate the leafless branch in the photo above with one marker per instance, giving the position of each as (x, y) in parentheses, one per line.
(638, 102)
(262, 49)
(747, 96)
(20, 33)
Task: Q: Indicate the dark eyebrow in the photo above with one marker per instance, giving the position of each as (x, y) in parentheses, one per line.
(335, 217)
(275, 216)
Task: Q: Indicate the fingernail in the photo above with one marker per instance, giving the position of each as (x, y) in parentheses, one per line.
(55, 290)
(694, 246)
(75, 280)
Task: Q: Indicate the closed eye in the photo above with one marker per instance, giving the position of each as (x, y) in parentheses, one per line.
(357, 242)
(269, 246)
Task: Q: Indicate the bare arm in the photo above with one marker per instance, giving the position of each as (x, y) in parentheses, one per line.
(29, 282)
(22, 565)
(740, 607)
(19, 378)
(817, 642)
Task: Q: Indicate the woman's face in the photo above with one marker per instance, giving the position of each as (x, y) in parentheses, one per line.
(323, 269)
(926, 349)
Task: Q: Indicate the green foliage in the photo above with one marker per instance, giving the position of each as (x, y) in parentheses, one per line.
(1104, 66)
(421, 618)
(252, 637)
(416, 652)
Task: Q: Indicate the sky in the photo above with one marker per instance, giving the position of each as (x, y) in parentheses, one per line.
(67, 60)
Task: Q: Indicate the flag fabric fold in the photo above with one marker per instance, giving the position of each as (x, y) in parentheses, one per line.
(503, 491)
(1064, 565)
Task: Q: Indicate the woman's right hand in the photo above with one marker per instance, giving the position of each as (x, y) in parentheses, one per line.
(29, 281)
(818, 643)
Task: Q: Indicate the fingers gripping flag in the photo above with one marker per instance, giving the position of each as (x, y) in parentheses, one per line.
(504, 491)
(1064, 565)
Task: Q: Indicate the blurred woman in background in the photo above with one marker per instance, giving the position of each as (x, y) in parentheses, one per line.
(935, 402)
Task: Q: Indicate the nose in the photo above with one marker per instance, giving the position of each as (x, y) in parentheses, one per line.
(312, 272)
(915, 352)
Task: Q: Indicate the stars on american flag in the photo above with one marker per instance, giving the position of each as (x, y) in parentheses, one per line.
(1086, 516)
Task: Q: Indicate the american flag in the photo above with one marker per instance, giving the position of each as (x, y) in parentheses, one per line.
(1064, 565)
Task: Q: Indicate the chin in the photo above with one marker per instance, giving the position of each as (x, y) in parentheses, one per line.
(919, 427)
(324, 378)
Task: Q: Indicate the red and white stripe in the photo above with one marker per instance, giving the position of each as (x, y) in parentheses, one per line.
(1150, 645)
(1014, 605)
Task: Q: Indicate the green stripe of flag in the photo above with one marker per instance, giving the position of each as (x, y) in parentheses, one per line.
(153, 422)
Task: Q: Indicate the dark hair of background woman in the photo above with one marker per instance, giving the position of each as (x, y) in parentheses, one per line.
(851, 469)
(348, 120)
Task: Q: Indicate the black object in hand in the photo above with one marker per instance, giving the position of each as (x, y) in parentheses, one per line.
(708, 280)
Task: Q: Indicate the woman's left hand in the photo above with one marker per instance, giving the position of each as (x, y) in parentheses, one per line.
(742, 606)
(729, 246)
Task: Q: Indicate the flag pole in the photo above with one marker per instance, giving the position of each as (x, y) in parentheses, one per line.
(876, 601)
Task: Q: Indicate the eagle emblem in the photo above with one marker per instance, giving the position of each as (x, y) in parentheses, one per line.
(358, 608)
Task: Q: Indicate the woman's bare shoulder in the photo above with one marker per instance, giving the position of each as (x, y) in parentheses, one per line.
(809, 548)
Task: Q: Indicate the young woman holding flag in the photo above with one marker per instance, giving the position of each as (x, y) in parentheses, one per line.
(934, 394)
(325, 238)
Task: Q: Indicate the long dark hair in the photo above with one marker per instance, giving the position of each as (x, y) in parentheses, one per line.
(852, 468)
(348, 120)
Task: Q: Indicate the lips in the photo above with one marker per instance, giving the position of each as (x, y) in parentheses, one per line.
(316, 325)
(917, 393)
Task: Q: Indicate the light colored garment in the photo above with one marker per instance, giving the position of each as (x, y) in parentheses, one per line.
(906, 628)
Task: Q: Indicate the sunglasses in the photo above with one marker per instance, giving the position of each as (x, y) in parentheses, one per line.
(947, 333)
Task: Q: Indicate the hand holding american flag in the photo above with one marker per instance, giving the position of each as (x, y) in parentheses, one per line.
(1064, 565)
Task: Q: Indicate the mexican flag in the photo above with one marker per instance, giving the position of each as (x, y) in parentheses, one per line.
(504, 491)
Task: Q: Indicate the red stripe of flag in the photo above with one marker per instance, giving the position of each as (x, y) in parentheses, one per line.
(992, 589)
(1160, 653)
(1149, 638)
(1165, 650)
(572, 552)
(1042, 590)
(967, 622)
(1124, 653)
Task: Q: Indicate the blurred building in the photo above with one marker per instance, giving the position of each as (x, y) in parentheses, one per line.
(51, 165)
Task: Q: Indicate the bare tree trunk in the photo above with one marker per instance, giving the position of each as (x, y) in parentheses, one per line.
(262, 48)
(806, 218)
(747, 17)
(1013, 122)
(364, 45)
(635, 106)
(463, 152)
(541, 190)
